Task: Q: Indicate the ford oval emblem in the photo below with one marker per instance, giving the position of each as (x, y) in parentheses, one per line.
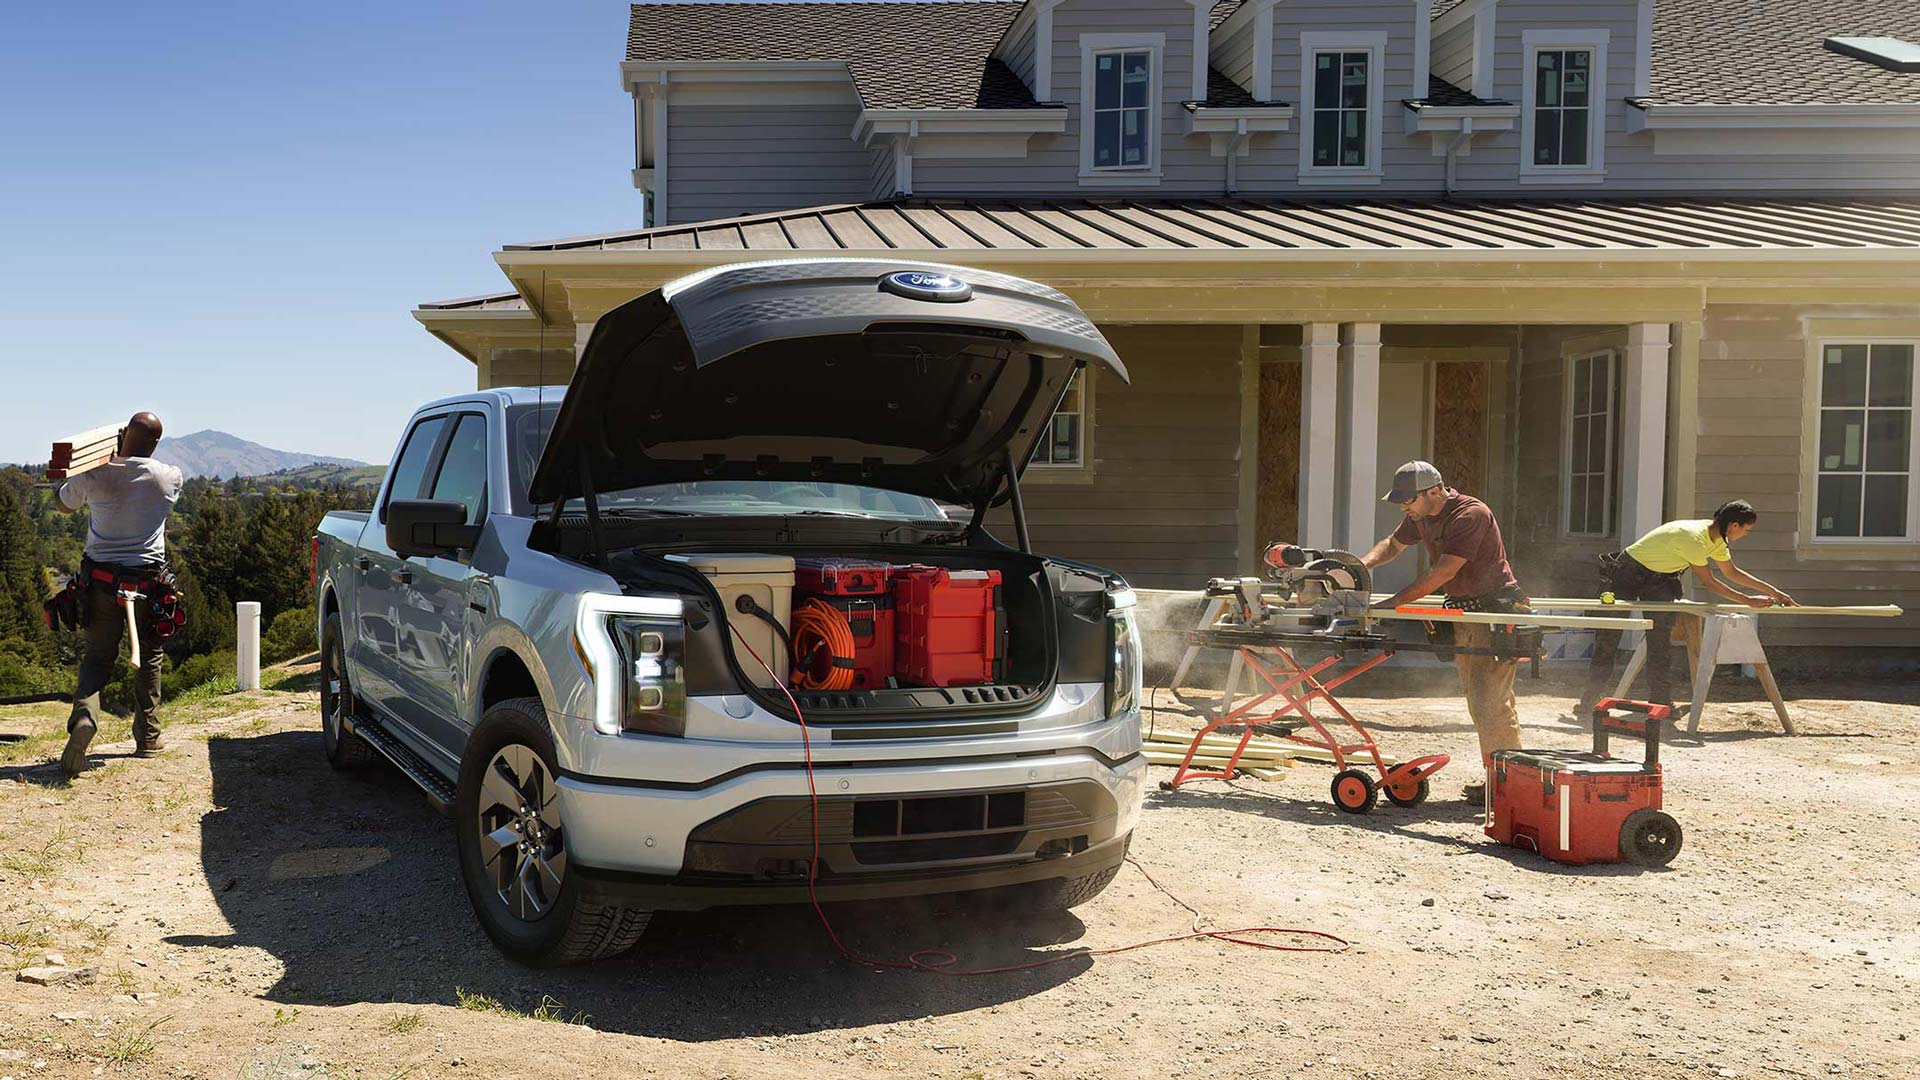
(927, 285)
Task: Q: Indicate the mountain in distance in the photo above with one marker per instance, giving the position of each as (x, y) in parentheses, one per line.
(220, 456)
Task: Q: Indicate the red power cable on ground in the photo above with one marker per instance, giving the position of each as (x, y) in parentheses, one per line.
(942, 962)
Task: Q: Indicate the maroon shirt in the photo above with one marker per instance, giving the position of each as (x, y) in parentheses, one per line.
(1464, 527)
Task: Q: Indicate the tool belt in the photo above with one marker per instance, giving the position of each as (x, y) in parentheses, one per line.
(155, 582)
(1506, 598)
(1627, 579)
(1507, 642)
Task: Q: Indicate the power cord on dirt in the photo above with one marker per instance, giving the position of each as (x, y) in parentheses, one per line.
(942, 962)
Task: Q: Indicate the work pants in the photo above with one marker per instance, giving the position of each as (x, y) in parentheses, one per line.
(1487, 683)
(1632, 581)
(106, 624)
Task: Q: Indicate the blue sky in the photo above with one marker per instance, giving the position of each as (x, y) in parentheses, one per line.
(225, 212)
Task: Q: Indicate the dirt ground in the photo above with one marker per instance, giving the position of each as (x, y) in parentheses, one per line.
(252, 914)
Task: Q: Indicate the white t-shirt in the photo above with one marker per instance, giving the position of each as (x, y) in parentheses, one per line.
(127, 502)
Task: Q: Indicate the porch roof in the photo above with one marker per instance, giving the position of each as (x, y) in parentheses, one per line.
(1276, 227)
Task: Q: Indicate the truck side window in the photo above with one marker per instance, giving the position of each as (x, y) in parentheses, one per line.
(463, 471)
(414, 459)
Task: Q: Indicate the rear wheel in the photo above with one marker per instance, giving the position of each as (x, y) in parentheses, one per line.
(1401, 793)
(344, 749)
(1649, 838)
(513, 848)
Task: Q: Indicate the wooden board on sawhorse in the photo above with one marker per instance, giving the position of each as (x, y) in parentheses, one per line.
(1724, 638)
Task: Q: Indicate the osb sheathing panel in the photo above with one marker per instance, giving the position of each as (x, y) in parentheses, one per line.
(1278, 517)
(1460, 432)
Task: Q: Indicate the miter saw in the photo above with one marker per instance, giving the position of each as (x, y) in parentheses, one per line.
(1330, 584)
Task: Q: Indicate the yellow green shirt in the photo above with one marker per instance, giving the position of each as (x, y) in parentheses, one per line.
(1677, 545)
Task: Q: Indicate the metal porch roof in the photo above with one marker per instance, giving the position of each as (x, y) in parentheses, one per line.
(1276, 226)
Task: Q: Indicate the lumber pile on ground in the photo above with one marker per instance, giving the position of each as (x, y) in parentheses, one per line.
(86, 450)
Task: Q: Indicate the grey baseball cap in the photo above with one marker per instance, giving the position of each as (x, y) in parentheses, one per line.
(1411, 479)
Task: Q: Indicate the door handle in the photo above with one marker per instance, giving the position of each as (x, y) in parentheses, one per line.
(362, 563)
(402, 576)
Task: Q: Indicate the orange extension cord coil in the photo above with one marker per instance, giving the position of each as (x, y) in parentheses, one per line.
(820, 627)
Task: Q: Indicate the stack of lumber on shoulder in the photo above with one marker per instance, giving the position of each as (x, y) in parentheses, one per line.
(76, 454)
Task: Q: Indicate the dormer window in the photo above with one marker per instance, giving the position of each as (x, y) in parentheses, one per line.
(1563, 121)
(1341, 79)
(1120, 109)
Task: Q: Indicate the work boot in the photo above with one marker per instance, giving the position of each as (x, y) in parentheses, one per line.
(1475, 793)
(74, 757)
(151, 748)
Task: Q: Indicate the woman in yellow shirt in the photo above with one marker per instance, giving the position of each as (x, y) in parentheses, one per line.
(1651, 569)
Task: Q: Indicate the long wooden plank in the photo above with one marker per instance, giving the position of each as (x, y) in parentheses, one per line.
(1872, 611)
(1496, 618)
(89, 437)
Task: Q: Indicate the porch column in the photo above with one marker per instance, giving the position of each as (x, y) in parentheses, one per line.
(1643, 430)
(1360, 431)
(1319, 417)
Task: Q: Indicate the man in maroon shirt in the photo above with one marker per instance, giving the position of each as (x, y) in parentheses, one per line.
(1468, 561)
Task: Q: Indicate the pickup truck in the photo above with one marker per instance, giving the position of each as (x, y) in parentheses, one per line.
(548, 620)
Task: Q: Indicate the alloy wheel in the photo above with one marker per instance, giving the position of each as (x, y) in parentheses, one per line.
(523, 849)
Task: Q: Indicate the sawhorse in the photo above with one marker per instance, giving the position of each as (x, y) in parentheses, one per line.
(1716, 638)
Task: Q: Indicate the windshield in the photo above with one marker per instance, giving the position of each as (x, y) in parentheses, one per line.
(528, 425)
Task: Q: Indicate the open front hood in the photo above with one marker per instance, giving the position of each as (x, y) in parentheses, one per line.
(908, 376)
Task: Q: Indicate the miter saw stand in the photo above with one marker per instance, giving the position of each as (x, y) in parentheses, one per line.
(1317, 601)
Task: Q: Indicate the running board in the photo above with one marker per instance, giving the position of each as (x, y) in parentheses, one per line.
(440, 793)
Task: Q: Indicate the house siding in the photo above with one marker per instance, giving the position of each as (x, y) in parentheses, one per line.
(1754, 391)
(1161, 505)
(1018, 53)
(1453, 55)
(726, 160)
(1230, 47)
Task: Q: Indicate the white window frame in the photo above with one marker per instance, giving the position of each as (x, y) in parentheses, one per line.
(1092, 45)
(1084, 450)
(1816, 410)
(1534, 42)
(1373, 43)
(1571, 363)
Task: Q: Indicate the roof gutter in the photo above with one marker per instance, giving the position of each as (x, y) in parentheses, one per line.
(1046, 120)
(1656, 116)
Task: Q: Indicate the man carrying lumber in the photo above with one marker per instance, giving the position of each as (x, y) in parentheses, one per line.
(1651, 569)
(1469, 562)
(123, 572)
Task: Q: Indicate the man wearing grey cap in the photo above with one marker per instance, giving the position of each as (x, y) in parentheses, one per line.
(1468, 561)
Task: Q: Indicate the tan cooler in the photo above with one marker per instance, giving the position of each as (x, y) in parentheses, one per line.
(769, 580)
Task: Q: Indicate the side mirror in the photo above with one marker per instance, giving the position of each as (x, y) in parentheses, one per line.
(428, 527)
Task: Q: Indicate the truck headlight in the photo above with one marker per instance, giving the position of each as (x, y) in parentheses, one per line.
(1124, 654)
(634, 650)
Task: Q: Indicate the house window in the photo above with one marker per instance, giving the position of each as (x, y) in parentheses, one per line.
(1064, 443)
(1864, 472)
(1341, 85)
(1122, 109)
(1562, 106)
(1588, 454)
(1341, 107)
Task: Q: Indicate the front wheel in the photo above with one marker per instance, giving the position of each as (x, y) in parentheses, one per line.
(513, 848)
(1649, 837)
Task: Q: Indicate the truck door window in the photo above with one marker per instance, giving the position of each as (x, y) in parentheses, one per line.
(411, 469)
(463, 471)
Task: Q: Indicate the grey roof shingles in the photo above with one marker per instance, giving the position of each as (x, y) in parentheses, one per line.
(1441, 92)
(900, 55)
(1757, 52)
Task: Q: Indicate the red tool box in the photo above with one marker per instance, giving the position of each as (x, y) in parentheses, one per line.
(950, 627)
(1575, 806)
(862, 590)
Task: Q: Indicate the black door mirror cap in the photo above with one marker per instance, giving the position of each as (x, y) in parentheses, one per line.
(429, 527)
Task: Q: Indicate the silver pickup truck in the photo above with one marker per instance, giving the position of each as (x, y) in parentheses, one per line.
(579, 618)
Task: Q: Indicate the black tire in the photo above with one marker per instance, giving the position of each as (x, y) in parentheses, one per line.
(568, 929)
(1354, 791)
(344, 749)
(1649, 838)
(1419, 795)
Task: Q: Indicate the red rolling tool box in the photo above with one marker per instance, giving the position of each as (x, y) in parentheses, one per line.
(863, 590)
(1575, 806)
(950, 626)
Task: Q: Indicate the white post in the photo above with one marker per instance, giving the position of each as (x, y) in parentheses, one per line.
(247, 644)
(1360, 393)
(1319, 416)
(1643, 431)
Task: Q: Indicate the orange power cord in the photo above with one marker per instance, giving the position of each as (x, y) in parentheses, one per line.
(821, 626)
(942, 962)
